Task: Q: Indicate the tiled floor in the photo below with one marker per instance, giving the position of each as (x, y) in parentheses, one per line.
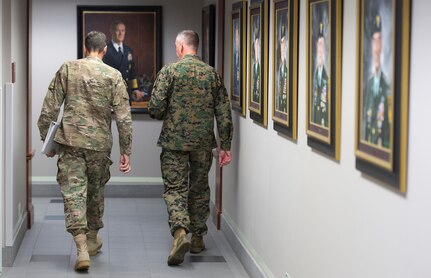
(136, 244)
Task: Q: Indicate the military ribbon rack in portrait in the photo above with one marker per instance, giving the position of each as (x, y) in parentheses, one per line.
(285, 67)
(324, 56)
(258, 61)
(238, 75)
(134, 45)
(383, 90)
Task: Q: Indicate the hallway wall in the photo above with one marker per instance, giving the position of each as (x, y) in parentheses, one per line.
(333, 221)
(54, 30)
(13, 180)
(2, 134)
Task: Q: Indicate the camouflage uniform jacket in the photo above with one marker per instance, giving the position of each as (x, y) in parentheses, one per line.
(89, 89)
(187, 95)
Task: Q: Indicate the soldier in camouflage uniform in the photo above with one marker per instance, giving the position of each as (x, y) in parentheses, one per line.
(89, 90)
(187, 95)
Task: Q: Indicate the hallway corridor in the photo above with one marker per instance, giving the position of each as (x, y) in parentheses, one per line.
(136, 244)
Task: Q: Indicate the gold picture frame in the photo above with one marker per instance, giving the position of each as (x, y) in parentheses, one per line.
(258, 61)
(238, 57)
(383, 90)
(285, 67)
(324, 58)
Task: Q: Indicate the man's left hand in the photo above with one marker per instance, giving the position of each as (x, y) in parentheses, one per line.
(224, 158)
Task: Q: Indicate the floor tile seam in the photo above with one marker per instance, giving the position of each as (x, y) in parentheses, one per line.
(232, 259)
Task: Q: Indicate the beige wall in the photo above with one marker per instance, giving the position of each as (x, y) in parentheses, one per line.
(59, 40)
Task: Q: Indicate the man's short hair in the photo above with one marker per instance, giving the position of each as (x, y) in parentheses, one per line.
(115, 24)
(95, 41)
(376, 25)
(189, 38)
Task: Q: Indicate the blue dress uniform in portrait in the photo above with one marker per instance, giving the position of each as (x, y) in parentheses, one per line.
(122, 60)
(376, 116)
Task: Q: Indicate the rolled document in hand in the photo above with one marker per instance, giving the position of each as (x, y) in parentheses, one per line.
(49, 145)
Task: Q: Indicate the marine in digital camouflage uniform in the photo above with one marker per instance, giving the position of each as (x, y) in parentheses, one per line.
(187, 95)
(89, 90)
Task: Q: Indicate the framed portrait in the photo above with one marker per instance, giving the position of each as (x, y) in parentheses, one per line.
(134, 45)
(238, 57)
(324, 37)
(258, 61)
(383, 90)
(208, 35)
(285, 67)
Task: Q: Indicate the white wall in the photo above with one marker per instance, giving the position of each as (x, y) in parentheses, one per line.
(302, 213)
(2, 134)
(14, 32)
(54, 30)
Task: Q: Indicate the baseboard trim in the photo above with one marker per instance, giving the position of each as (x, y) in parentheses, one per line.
(9, 252)
(117, 187)
(44, 180)
(111, 191)
(243, 253)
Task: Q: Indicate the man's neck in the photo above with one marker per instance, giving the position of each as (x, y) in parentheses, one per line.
(189, 52)
(377, 71)
(95, 54)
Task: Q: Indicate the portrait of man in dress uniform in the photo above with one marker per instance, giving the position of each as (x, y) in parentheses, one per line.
(255, 60)
(281, 99)
(376, 95)
(236, 58)
(120, 56)
(320, 86)
(134, 45)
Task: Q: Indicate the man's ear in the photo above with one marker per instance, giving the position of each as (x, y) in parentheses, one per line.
(104, 50)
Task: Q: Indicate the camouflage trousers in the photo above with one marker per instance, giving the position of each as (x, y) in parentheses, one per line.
(187, 193)
(82, 175)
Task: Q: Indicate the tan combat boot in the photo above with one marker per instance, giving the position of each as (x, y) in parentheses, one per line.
(180, 247)
(83, 259)
(94, 242)
(198, 244)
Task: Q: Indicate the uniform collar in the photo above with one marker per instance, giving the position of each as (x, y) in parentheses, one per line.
(191, 56)
(116, 45)
(93, 58)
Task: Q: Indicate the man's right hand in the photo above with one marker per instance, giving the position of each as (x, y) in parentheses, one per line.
(138, 95)
(125, 166)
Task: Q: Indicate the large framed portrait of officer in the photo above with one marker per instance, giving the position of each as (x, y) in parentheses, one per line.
(324, 37)
(208, 35)
(238, 57)
(285, 67)
(383, 89)
(134, 45)
(258, 61)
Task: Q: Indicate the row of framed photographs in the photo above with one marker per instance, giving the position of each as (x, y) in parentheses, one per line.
(383, 35)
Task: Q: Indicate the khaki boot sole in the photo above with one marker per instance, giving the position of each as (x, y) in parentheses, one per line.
(82, 265)
(178, 256)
